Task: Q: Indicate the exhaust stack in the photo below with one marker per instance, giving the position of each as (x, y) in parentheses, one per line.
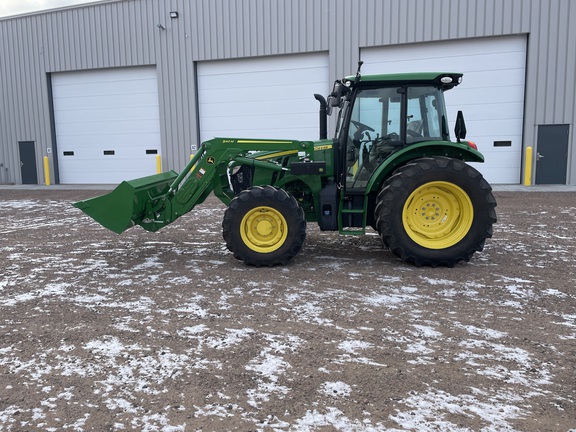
(323, 116)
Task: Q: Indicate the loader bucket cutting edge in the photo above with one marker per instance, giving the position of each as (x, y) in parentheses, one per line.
(125, 206)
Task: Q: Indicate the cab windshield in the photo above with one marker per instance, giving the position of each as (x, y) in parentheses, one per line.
(384, 120)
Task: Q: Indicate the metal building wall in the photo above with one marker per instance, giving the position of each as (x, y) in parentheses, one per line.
(31, 47)
(125, 33)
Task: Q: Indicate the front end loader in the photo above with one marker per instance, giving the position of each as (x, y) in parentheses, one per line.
(391, 166)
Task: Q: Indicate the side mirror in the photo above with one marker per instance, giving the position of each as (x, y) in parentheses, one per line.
(460, 127)
(338, 96)
(334, 97)
(331, 102)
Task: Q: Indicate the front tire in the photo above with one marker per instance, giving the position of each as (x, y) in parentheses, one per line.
(264, 226)
(435, 211)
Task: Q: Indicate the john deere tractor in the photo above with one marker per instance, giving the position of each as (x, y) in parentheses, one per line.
(391, 166)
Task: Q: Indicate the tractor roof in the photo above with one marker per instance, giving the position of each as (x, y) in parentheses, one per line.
(445, 79)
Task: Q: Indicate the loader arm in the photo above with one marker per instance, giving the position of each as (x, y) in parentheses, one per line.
(158, 200)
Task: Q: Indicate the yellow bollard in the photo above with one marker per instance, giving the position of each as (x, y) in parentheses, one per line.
(46, 171)
(158, 164)
(528, 167)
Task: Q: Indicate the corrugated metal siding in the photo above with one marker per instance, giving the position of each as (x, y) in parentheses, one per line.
(246, 28)
(125, 33)
(551, 72)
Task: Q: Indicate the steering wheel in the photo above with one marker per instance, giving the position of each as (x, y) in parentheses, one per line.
(361, 127)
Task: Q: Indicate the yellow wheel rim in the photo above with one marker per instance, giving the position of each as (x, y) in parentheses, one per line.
(263, 229)
(438, 215)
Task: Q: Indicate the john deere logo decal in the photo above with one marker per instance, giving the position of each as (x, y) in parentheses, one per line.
(210, 160)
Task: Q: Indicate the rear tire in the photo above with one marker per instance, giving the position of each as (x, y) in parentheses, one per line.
(264, 226)
(435, 212)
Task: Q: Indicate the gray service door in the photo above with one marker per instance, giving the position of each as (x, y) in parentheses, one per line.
(28, 162)
(552, 154)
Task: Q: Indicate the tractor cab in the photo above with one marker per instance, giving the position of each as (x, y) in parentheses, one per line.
(381, 116)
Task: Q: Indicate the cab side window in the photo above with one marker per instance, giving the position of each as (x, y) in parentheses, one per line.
(423, 121)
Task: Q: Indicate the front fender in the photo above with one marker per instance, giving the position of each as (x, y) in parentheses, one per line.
(461, 151)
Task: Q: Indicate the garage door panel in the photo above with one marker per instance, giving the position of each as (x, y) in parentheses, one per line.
(492, 62)
(269, 97)
(262, 122)
(106, 128)
(270, 78)
(510, 174)
(248, 133)
(264, 64)
(457, 49)
(504, 163)
(111, 75)
(222, 95)
(89, 89)
(491, 153)
(114, 113)
(470, 95)
(95, 154)
(110, 171)
(489, 112)
(466, 64)
(106, 101)
(106, 121)
(494, 79)
(273, 107)
(277, 92)
(498, 127)
(115, 160)
(139, 140)
(76, 152)
(495, 155)
(488, 144)
(96, 177)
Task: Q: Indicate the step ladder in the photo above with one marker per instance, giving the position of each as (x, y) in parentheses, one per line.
(352, 230)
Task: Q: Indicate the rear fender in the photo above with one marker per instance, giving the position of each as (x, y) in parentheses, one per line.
(461, 151)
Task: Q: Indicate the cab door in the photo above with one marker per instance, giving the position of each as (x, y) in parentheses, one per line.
(373, 132)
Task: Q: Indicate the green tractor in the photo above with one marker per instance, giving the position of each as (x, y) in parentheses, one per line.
(390, 166)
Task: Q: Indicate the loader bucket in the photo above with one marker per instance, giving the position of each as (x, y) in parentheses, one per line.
(126, 205)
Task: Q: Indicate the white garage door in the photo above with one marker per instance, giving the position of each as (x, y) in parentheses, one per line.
(107, 124)
(265, 97)
(491, 94)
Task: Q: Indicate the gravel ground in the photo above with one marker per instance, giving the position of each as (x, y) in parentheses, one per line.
(167, 331)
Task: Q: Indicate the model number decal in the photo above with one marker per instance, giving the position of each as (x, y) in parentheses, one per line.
(200, 173)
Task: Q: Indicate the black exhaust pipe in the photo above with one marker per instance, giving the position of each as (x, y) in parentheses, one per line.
(323, 117)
